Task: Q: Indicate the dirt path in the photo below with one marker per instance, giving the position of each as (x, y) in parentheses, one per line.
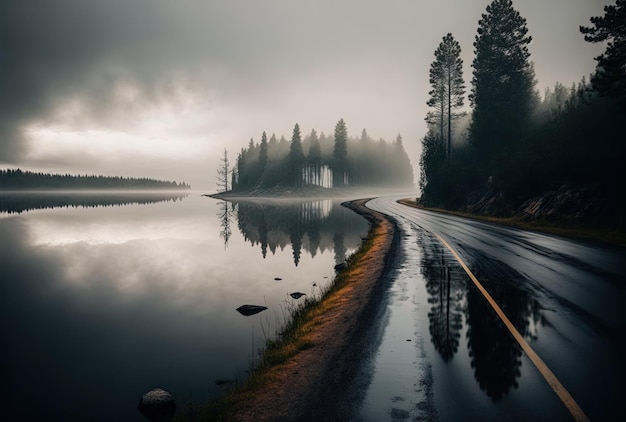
(301, 387)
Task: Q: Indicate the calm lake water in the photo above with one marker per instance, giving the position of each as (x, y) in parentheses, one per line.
(104, 297)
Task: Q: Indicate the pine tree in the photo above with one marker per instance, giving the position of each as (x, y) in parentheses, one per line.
(402, 168)
(296, 156)
(223, 173)
(503, 81)
(433, 153)
(448, 88)
(340, 153)
(315, 158)
(263, 153)
(610, 76)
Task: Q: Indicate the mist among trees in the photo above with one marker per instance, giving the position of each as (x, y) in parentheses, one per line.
(327, 161)
(519, 143)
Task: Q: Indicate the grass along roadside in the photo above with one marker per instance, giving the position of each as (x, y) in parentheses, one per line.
(614, 236)
(297, 362)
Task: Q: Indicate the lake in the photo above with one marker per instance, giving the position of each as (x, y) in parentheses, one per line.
(104, 297)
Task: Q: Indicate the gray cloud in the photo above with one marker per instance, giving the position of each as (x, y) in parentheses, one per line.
(273, 60)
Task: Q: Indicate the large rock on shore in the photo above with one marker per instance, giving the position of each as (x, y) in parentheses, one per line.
(157, 405)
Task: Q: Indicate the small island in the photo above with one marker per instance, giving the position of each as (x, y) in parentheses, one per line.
(315, 165)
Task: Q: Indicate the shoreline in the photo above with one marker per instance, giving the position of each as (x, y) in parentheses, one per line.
(314, 357)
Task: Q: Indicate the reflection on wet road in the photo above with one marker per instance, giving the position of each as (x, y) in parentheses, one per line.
(444, 353)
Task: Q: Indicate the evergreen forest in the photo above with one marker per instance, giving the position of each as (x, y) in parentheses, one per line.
(16, 179)
(317, 160)
(516, 144)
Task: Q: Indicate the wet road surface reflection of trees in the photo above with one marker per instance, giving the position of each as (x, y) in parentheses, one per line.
(454, 301)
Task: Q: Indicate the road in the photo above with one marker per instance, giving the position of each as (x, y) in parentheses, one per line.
(441, 351)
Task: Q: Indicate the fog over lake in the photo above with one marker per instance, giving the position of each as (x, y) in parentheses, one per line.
(105, 298)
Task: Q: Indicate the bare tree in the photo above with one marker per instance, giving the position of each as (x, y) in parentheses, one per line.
(223, 173)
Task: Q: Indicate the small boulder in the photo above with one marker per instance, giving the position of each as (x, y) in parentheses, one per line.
(157, 405)
(248, 310)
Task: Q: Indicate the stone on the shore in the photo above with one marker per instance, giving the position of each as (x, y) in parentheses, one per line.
(157, 405)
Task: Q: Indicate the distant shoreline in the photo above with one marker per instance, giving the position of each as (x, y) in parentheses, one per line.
(312, 192)
(94, 190)
(16, 179)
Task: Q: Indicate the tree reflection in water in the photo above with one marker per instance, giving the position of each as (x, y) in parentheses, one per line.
(310, 226)
(446, 288)
(225, 213)
(495, 356)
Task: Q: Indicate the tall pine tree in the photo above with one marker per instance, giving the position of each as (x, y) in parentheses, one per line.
(315, 159)
(340, 154)
(448, 89)
(296, 156)
(263, 153)
(223, 173)
(503, 94)
(610, 76)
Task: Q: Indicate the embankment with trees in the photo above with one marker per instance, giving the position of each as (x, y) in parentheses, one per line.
(556, 156)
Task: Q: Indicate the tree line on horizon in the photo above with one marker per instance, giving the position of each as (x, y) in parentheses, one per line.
(16, 179)
(514, 141)
(316, 160)
(17, 204)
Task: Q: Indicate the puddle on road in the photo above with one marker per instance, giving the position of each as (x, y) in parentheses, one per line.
(444, 354)
(401, 384)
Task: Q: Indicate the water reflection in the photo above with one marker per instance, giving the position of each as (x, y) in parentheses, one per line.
(109, 302)
(312, 226)
(225, 214)
(494, 355)
(16, 202)
(446, 290)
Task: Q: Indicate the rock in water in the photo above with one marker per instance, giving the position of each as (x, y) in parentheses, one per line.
(248, 310)
(157, 405)
(340, 267)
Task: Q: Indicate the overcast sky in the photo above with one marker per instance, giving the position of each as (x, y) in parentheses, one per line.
(158, 88)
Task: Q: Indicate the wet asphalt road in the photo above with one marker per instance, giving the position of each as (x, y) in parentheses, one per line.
(441, 353)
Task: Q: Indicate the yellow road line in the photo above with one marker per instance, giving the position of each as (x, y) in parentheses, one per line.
(547, 374)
